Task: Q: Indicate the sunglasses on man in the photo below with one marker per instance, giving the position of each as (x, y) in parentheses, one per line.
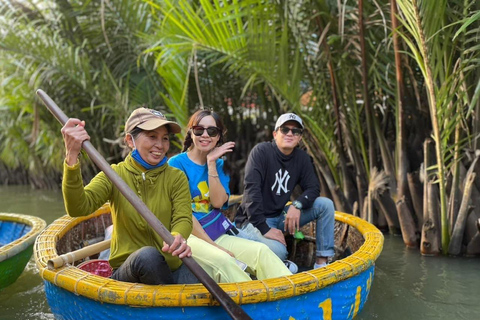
(295, 131)
(211, 131)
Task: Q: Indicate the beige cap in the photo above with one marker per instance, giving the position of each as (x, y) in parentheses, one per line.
(149, 119)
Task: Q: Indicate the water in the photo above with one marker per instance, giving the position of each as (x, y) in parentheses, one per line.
(410, 286)
(406, 285)
(25, 299)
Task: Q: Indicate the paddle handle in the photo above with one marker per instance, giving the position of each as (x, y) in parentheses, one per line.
(79, 254)
(234, 311)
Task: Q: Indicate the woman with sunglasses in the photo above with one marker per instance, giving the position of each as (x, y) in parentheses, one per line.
(214, 242)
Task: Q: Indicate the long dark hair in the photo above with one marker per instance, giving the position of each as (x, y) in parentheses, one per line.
(195, 120)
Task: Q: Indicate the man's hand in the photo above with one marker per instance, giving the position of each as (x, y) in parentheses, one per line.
(292, 220)
(276, 234)
(178, 248)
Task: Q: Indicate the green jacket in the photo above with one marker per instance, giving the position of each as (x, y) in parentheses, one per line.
(164, 190)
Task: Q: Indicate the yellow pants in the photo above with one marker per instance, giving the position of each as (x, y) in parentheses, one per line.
(223, 268)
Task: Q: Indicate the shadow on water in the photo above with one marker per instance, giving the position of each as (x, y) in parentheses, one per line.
(406, 285)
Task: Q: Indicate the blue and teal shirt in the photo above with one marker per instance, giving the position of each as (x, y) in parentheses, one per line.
(198, 182)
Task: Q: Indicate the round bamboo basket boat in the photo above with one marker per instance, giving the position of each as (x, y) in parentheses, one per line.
(17, 235)
(337, 291)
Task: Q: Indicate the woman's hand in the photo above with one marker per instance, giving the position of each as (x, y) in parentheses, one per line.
(74, 134)
(218, 152)
(178, 247)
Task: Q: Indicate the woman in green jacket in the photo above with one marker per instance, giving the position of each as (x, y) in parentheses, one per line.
(138, 253)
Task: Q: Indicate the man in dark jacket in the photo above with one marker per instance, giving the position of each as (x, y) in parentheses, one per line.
(272, 171)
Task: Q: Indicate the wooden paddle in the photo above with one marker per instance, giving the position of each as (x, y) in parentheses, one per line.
(233, 310)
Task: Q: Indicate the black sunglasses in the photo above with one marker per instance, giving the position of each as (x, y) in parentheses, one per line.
(295, 131)
(211, 131)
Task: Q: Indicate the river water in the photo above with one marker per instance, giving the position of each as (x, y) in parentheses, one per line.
(406, 285)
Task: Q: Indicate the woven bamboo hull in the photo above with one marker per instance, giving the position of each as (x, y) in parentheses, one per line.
(338, 291)
(17, 235)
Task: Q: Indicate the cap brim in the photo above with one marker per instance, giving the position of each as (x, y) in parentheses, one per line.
(283, 122)
(157, 123)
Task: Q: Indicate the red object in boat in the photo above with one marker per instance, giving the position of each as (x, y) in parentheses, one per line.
(97, 266)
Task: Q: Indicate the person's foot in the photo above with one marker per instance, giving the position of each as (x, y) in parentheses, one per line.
(318, 266)
(320, 262)
(291, 266)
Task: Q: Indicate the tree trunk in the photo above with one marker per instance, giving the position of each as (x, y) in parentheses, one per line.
(348, 186)
(430, 241)
(470, 229)
(416, 191)
(362, 191)
(324, 190)
(430, 237)
(338, 197)
(407, 224)
(366, 99)
(473, 247)
(386, 206)
(403, 166)
(355, 209)
(459, 173)
(341, 203)
(455, 247)
(364, 210)
(381, 220)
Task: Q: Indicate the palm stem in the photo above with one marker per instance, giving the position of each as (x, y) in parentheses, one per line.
(436, 130)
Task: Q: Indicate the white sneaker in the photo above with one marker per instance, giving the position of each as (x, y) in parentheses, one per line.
(291, 266)
(318, 266)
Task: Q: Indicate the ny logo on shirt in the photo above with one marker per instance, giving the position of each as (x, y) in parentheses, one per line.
(281, 181)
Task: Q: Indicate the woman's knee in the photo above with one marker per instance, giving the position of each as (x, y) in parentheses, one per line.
(149, 258)
(212, 256)
(146, 265)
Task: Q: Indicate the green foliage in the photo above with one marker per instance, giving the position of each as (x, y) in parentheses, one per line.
(447, 67)
(85, 55)
(250, 60)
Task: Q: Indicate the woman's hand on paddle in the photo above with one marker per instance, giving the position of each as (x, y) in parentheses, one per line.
(218, 152)
(179, 247)
(74, 134)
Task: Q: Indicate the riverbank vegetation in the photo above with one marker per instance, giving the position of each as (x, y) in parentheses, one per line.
(389, 91)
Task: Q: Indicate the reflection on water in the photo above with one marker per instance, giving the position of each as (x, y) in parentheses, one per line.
(410, 286)
(406, 285)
